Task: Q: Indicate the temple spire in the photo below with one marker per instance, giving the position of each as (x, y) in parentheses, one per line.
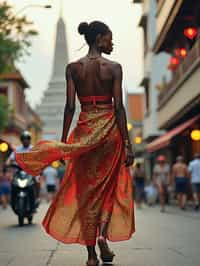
(61, 8)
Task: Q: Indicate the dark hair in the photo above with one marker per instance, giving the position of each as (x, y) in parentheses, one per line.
(90, 31)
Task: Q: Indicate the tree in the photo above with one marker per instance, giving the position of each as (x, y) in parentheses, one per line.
(4, 112)
(15, 33)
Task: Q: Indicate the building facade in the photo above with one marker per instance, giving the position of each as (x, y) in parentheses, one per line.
(178, 109)
(135, 115)
(154, 73)
(21, 116)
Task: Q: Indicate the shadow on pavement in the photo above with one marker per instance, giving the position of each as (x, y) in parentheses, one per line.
(16, 226)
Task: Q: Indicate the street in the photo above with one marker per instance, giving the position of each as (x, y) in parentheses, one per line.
(162, 239)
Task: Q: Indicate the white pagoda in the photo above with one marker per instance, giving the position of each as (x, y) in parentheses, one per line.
(52, 106)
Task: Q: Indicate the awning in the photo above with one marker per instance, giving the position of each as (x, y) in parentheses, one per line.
(165, 139)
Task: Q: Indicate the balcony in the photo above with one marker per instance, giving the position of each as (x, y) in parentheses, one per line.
(182, 89)
(167, 11)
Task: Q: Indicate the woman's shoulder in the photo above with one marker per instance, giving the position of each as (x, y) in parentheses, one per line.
(73, 63)
(111, 62)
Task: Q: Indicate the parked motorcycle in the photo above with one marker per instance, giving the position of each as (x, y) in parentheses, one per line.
(23, 197)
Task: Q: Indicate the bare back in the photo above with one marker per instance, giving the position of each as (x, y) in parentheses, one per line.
(180, 170)
(93, 76)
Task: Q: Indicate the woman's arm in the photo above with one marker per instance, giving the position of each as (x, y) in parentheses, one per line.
(70, 104)
(120, 112)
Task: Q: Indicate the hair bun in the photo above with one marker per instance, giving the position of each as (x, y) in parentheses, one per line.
(83, 28)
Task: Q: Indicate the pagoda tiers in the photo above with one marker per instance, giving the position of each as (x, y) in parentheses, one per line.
(52, 106)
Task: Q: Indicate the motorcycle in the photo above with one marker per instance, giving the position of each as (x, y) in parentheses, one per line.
(23, 196)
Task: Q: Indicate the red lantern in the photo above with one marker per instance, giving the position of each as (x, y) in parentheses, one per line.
(190, 32)
(174, 61)
(181, 52)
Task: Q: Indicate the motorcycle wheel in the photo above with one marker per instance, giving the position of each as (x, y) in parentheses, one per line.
(20, 220)
(30, 219)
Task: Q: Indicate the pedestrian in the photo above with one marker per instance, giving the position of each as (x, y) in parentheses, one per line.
(151, 194)
(95, 200)
(61, 171)
(180, 176)
(139, 178)
(194, 169)
(50, 178)
(5, 180)
(161, 178)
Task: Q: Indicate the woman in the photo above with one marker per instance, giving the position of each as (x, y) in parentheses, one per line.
(95, 197)
(161, 178)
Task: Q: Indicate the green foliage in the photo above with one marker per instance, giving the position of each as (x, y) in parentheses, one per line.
(4, 112)
(15, 33)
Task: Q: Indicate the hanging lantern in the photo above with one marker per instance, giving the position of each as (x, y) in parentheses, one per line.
(137, 140)
(181, 52)
(174, 62)
(129, 126)
(190, 32)
(195, 135)
(3, 147)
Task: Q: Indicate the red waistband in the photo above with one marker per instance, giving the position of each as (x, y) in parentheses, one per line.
(94, 99)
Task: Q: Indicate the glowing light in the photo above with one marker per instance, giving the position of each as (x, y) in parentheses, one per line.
(3, 147)
(190, 32)
(182, 52)
(174, 61)
(55, 164)
(129, 126)
(138, 140)
(195, 135)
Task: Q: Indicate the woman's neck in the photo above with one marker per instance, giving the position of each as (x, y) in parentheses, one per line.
(94, 52)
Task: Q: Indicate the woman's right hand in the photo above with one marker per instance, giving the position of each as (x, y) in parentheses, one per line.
(129, 156)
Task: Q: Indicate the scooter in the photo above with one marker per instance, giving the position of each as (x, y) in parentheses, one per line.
(23, 196)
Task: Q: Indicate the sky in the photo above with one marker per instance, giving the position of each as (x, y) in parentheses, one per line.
(122, 16)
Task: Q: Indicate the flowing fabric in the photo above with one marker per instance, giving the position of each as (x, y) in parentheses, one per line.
(97, 186)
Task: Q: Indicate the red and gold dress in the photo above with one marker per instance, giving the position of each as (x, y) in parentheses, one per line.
(96, 187)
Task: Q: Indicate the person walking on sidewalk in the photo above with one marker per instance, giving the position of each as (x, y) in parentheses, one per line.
(180, 175)
(5, 187)
(94, 202)
(139, 178)
(161, 178)
(51, 181)
(194, 169)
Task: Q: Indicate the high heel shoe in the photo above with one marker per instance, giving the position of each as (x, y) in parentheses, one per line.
(106, 254)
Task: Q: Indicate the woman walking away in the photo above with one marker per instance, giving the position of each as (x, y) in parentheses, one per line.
(94, 201)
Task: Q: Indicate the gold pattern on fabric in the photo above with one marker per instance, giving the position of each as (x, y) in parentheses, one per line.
(96, 187)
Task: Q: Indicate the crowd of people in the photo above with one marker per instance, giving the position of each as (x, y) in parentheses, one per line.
(180, 178)
(180, 181)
